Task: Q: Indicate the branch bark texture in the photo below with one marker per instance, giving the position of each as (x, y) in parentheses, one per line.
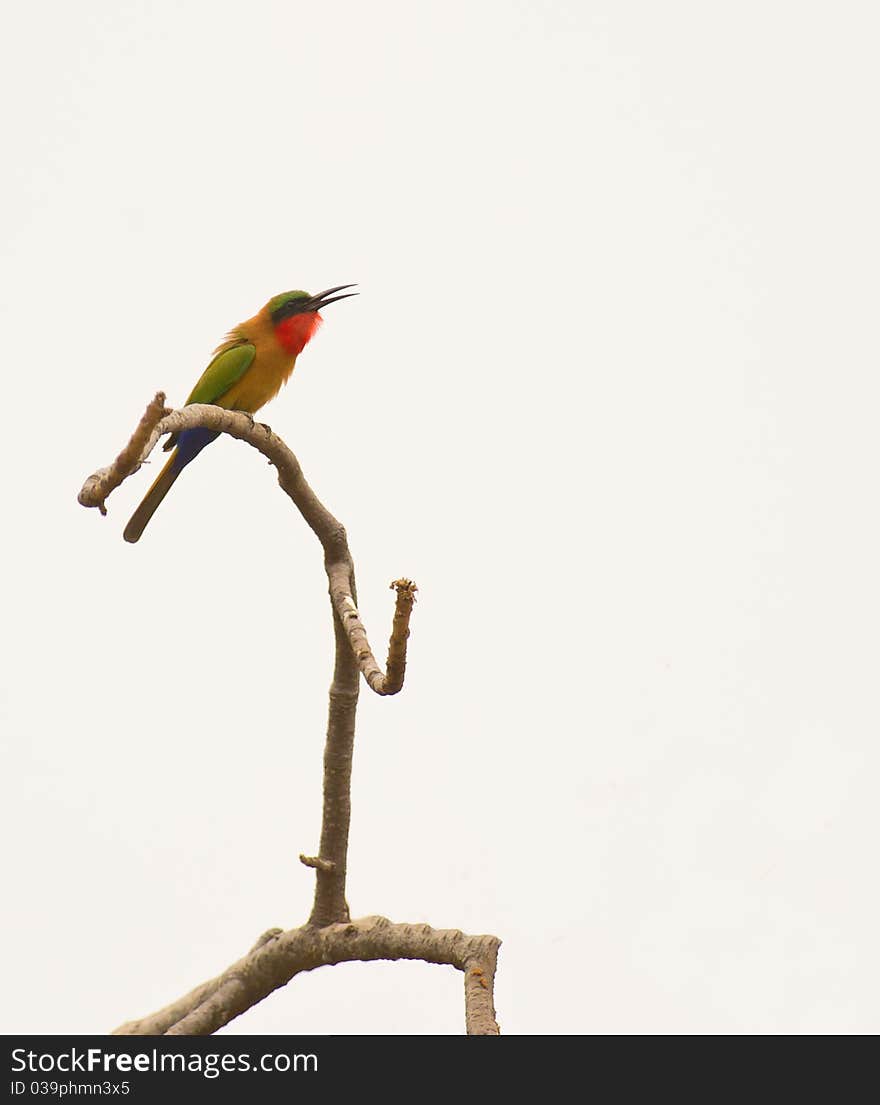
(280, 956)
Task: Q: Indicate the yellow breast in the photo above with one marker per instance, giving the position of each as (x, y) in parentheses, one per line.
(270, 368)
(262, 381)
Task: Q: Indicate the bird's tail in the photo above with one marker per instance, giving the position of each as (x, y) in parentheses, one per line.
(138, 522)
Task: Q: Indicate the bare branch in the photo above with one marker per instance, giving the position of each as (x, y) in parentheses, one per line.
(330, 872)
(479, 993)
(274, 963)
(99, 485)
(353, 653)
(396, 664)
(157, 420)
(379, 681)
(329, 937)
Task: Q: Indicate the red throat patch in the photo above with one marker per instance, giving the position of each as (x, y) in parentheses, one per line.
(295, 332)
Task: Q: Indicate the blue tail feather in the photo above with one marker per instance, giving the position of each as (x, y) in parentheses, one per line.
(190, 443)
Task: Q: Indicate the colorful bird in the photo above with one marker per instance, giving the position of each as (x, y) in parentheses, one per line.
(247, 371)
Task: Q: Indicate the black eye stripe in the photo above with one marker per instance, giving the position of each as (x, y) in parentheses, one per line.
(292, 306)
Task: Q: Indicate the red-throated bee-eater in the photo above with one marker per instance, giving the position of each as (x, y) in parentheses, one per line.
(247, 371)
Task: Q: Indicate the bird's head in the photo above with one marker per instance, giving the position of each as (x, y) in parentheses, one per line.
(295, 315)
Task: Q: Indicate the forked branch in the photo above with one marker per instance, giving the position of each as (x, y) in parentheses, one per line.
(329, 936)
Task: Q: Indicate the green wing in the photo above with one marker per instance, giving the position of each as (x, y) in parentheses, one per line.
(228, 366)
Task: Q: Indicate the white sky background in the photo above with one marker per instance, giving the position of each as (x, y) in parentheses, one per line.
(609, 394)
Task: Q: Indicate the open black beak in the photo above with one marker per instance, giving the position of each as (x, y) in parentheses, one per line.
(319, 301)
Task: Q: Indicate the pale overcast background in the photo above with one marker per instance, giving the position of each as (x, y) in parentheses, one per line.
(609, 395)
